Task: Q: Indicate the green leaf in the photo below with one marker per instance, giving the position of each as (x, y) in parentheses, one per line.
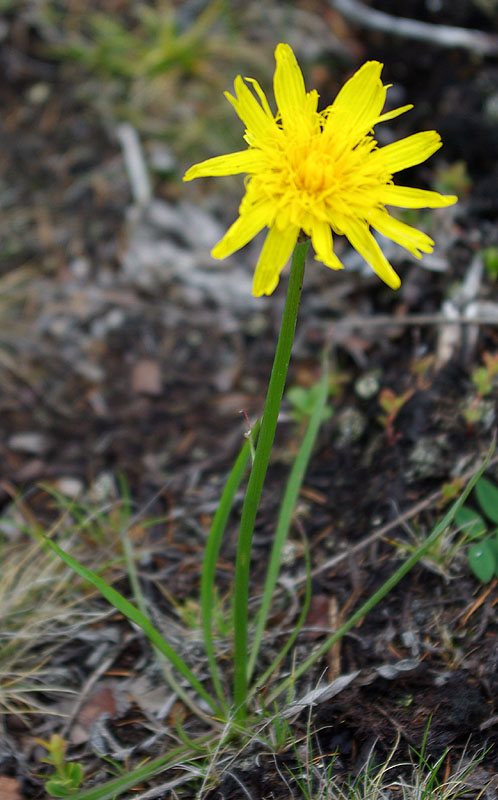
(134, 615)
(211, 553)
(287, 508)
(482, 560)
(74, 773)
(298, 397)
(470, 520)
(487, 495)
(494, 544)
(58, 787)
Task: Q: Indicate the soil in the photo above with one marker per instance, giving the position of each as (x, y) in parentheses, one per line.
(108, 371)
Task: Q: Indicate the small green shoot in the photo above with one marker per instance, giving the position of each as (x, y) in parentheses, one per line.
(483, 554)
(490, 260)
(391, 404)
(485, 379)
(302, 400)
(68, 776)
(454, 179)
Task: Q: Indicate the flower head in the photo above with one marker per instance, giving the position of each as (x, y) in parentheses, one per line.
(320, 171)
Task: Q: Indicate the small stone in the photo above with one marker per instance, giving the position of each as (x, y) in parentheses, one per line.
(351, 425)
(427, 457)
(80, 267)
(103, 488)
(38, 93)
(70, 486)
(29, 442)
(146, 377)
(367, 385)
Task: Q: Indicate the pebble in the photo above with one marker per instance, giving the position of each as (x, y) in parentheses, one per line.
(351, 425)
(103, 488)
(367, 385)
(70, 486)
(29, 442)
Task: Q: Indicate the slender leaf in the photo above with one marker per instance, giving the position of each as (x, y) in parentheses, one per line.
(289, 501)
(116, 786)
(211, 554)
(262, 679)
(134, 615)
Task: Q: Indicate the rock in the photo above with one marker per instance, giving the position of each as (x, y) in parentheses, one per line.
(146, 377)
(29, 442)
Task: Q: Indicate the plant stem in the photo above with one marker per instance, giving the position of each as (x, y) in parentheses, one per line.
(258, 473)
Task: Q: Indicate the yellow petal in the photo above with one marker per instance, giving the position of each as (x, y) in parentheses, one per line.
(406, 197)
(394, 113)
(360, 101)
(258, 121)
(262, 97)
(232, 164)
(321, 237)
(288, 85)
(248, 225)
(410, 238)
(275, 253)
(408, 151)
(362, 240)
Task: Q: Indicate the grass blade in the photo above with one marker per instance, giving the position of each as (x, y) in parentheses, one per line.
(262, 680)
(117, 786)
(291, 495)
(134, 615)
(211, 554)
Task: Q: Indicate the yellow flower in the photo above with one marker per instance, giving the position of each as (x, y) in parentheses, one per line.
(320, 171)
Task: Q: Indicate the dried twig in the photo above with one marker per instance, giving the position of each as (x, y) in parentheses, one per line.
(483, 44)
(382, 320)
(135, 164)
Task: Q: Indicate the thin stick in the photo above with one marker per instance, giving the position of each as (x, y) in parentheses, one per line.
(484, 44)
(381, 320)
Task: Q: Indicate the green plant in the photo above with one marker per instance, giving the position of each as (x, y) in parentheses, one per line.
(310, 154)
(454, 178)
(152, 65)
(483, 554)
(154, 43)
(417, 779)
(68, 775)
(302, 400)
(484, 379)
(391, 404)
(490, 259)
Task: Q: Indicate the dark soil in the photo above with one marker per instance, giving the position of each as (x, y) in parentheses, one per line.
(102, 375)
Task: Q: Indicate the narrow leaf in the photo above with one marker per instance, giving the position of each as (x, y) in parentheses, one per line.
(211, 553)
(134, 615)
(294, 483)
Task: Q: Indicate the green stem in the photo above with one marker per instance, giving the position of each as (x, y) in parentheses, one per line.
(258, 473)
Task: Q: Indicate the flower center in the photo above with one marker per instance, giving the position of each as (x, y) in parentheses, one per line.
(312, 175)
